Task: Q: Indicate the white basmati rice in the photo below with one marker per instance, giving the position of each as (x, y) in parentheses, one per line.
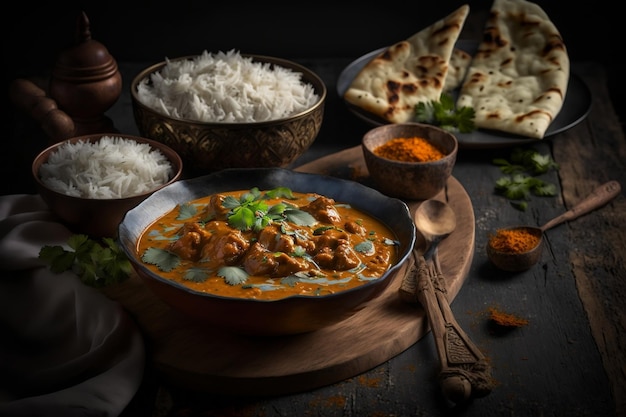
(226, 88)
(112, 167)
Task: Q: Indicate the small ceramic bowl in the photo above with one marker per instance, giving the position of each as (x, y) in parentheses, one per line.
(409, 180)
(292, 314)
(208, 147)
(97, 217)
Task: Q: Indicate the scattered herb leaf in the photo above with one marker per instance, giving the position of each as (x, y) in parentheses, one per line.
(521, 180)
(527, 161)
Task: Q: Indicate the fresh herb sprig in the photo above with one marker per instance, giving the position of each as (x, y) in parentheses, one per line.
(97, 263)
(251, 211)
(444, 114)
(521, 180)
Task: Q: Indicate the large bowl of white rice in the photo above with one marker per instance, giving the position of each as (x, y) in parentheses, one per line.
(91, 181)
(230, 110)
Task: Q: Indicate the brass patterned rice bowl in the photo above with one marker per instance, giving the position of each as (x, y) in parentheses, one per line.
(208, 147)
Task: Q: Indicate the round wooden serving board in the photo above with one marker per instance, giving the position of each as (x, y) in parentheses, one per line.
(194, 355)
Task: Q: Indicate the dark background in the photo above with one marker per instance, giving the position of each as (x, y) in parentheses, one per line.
(287, 29)
(150, 31)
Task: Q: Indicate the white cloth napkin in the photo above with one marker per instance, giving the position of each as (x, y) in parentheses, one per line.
(65, 348)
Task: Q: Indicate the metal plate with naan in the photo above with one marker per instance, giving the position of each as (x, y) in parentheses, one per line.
(575, 108)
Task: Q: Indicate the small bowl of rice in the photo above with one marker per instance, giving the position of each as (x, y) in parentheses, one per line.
(230, 110)
(91, 181)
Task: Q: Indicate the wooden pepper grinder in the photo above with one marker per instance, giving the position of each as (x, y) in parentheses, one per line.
(86, 82)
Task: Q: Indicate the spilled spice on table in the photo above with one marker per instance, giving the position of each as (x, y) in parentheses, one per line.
(413, 149)
(513, 240)
(371, 382)
(506, 319)
(335, 401)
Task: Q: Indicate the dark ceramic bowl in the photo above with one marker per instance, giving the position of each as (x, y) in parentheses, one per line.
(409, 180)
(209, 147)
(291, 315)
(91, 216)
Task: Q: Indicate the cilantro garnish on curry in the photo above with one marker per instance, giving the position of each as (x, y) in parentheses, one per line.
(268, 244)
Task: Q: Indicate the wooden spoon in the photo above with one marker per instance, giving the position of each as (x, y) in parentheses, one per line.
(520, 261)
(465, 372)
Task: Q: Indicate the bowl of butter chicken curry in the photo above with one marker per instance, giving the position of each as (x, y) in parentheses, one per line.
(267, 251)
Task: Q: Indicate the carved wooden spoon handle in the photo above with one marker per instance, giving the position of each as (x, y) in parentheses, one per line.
(598, 197)
(465, 362)
(464, 370)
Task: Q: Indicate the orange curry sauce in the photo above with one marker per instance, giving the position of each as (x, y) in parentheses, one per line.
(341, 249)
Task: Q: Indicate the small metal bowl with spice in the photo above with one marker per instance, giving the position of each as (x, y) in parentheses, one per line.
(410, 161)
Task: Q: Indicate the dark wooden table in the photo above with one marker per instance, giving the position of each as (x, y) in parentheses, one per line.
(568, 361)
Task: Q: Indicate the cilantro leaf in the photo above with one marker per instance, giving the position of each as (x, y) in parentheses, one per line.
(444, 114)
(320, 230)
(516, 187)
(186, 211)
(300, 217)
(58, 258)
(544, 189)
(196, 275)
(97, 263)
(79, 241)
(242, 218)
(230, 202)
(425, 112)
(531, 161)
(522, 168)
(366, 247)
(280, 192)
(233, 275)
(164, 260)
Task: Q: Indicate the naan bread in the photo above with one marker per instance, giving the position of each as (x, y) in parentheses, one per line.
(457, 69)
(518, 78)
(408, 72)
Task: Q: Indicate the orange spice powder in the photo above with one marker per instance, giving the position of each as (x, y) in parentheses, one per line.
(506, 319)
(513, 240)
(413, 149)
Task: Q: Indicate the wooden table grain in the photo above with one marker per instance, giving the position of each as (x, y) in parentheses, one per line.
(568, 360)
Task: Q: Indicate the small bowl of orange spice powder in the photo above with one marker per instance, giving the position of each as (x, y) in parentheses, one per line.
(411, 161)
(516, 248)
